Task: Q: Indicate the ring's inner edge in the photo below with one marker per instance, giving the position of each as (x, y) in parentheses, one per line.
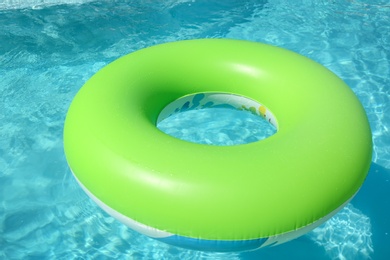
(216, 100)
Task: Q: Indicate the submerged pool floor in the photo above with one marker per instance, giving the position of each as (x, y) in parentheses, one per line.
(47, 53)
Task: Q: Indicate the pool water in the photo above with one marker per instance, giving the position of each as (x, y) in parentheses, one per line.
(49, 48)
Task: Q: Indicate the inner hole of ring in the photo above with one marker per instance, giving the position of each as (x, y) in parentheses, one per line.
(217, 119)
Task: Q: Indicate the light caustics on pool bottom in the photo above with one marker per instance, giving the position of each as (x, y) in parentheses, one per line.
(14, 4)
(52, 52)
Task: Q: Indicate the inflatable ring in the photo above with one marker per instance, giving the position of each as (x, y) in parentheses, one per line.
(219, 198)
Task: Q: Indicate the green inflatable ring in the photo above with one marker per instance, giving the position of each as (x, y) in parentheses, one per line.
(220, 198)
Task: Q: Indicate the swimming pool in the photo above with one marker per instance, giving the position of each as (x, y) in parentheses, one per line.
(48, 51)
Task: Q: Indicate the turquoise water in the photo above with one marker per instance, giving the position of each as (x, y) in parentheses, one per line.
(48, 50)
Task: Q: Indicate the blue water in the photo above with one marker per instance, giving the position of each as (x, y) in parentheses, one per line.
(49, 49)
